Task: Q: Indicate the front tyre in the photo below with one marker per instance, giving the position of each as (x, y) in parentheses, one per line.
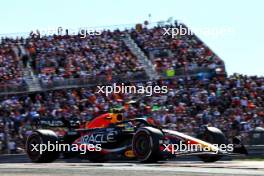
(146, 146)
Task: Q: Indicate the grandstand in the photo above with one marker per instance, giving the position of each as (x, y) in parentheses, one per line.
(184, 53)
(142, 53)
(56, 76)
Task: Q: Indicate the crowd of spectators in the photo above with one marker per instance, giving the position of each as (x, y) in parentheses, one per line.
(173, 52)
(10, 66)
(234, 104)
(56, 57)
(73, 56)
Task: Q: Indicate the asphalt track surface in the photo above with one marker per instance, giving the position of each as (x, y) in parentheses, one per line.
(167, 168)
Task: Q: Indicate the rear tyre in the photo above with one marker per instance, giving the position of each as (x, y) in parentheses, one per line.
(214, 136)
(36, 139)
(146, 146)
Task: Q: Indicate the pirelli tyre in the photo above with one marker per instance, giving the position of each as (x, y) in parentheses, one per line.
(38, 138)
(214, 136)
(145, 144)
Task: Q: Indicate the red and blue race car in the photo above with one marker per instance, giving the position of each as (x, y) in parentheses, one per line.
(111, 136)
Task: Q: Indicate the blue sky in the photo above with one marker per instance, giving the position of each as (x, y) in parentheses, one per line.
(242, 50)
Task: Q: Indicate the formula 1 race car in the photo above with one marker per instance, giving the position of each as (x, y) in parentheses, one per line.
(110, 136)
